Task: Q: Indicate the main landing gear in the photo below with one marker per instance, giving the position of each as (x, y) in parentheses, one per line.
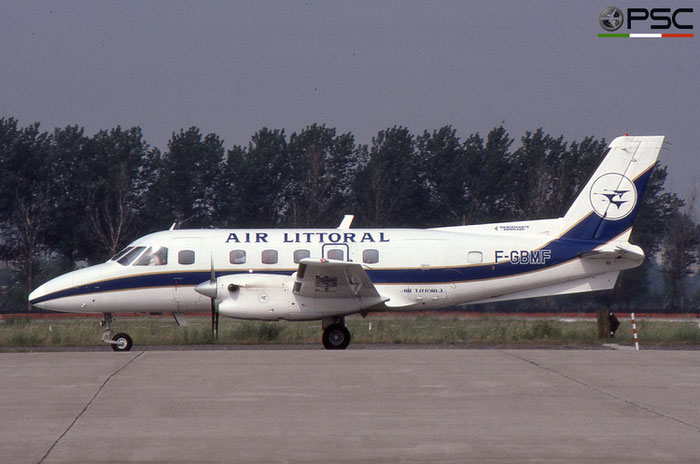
(335, 335)
(121, 341)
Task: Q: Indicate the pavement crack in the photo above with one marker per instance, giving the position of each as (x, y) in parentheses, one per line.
(603, 392)
(87, 406)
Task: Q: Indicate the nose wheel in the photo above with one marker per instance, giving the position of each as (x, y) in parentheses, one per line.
(121, 341)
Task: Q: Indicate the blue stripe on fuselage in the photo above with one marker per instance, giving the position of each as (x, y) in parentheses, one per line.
(143, 281)
(562, 250)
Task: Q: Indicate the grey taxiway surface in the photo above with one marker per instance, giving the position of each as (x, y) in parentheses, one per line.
(350, 406)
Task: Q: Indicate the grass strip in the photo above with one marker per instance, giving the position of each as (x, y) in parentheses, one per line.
(470, 331)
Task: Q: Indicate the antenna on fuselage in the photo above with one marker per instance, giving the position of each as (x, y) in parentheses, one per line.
(173, 226)
(346, 222)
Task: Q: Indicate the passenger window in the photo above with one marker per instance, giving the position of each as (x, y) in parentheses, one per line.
(185, 257)
(153, 257)
(269, 256)
(237, 257)
(370, 256)
(335, 254)
(130, 256)
(475, 257)
(301, 254)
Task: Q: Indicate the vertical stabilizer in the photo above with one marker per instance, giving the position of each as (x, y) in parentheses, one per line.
(607, 206)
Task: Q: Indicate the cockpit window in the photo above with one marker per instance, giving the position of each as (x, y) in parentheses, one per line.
(130, 256)
(121, 253)
(154, 256)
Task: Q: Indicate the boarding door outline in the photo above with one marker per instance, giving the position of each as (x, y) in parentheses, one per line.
(429, 256)
(182, 293)
(332, 250)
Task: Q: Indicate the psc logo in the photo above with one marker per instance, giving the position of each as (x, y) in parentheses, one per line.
(612, 18)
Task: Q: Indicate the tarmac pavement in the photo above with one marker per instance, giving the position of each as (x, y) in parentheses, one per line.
(255, 406)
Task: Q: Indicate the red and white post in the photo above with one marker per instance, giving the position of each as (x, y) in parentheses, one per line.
(634, 331)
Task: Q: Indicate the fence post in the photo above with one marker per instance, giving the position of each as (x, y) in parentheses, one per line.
(634, 331)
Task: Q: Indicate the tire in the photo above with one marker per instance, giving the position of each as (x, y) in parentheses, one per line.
(336, 337)
(124, 342)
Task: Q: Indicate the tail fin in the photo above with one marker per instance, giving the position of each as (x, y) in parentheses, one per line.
(607, 206)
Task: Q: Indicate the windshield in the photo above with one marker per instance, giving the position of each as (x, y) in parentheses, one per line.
(121, 253)
(154, 256)
(130, 256)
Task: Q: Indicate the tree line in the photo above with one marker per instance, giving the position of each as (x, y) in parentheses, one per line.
(67, 197)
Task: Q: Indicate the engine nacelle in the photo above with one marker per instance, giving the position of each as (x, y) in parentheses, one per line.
(254, 296)
(270, 297)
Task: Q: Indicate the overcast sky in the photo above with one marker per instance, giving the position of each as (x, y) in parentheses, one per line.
(234, 67)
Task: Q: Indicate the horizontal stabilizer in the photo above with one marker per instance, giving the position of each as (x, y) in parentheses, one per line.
(588, 284)
(616, 250)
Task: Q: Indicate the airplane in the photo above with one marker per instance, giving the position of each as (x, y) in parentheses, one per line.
(328, 274)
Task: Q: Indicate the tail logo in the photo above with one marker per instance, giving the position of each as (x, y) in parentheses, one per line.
(613, 196)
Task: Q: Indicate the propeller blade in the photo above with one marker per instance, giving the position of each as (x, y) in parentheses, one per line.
(214, 305)
(214, 320)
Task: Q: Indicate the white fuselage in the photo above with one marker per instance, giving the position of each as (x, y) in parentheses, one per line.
(411, 269)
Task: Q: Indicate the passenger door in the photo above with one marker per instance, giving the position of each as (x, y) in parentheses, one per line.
(336, 251)
(186, 259)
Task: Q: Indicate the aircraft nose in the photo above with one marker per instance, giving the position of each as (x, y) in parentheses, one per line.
(43, 294)
(64, 293)
(35, 297)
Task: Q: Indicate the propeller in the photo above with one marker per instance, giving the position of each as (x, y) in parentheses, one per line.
(214, 306)
(209, 289)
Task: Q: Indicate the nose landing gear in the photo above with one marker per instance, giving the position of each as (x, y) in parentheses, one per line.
(121, 341)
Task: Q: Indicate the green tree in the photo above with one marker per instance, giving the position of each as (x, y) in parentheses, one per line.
(251, 189)
(539, 175)
(390, 190)
(444, 164)
(26, 196)
(582, 159)
(680, 248)
(116, 197)
(71, 161)
(322, 166)
(185, 180)
(487, 185)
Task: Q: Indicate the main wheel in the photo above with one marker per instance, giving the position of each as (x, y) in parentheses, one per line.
(124, 342)
(336, 337)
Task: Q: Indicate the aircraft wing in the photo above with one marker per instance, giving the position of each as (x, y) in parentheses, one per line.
(326, 278)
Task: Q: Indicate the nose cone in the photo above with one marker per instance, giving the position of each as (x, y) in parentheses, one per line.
(59, 294)
(51, 290)
(36, 297)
